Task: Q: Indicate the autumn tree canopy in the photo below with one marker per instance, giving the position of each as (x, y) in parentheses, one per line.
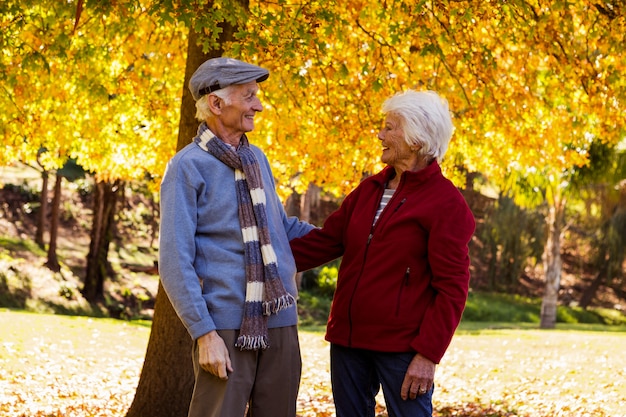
(531, 83)
(93, 82)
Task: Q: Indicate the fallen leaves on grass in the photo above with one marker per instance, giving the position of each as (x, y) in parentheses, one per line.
(87, 370)
(61, 384)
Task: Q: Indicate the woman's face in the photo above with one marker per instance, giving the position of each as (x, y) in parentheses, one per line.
(396, 152)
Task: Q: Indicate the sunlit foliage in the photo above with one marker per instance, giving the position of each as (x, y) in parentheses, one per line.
(531, 83)
(96, 82)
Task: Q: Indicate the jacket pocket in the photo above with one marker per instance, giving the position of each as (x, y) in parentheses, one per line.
(404, 283)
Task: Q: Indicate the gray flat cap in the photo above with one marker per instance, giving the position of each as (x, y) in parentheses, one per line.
(218, 73)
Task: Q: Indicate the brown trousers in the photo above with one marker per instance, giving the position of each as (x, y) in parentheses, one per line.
(264, 382)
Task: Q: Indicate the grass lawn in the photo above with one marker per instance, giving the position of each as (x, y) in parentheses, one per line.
(57, 366)
(531, 372)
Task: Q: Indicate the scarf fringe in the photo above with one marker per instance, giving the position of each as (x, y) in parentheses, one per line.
(252, 342)
(278, 304)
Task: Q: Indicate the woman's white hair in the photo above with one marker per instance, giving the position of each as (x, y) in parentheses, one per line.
(203, 111)
(426, 121)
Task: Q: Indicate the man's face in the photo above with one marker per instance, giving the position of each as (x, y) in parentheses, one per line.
(237, 117)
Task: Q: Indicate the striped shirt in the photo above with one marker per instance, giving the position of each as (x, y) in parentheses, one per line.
(383, 202)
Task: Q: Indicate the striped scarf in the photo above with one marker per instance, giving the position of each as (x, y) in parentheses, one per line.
(265, 293)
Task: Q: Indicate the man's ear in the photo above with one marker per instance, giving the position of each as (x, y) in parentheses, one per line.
(215, 103)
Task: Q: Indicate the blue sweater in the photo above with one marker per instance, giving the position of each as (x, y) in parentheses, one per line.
(201, 252)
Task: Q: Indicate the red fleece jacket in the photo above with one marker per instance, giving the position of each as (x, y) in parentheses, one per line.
(403, 283)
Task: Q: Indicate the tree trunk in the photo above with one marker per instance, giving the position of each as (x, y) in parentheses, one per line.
(308, 202)
(53, 260)
(97, 259)
(552, 264)
(43, 211)
(591, 291)
(166, 381)
(305, 204)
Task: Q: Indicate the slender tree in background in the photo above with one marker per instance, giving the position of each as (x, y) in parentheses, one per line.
(106, 196)
(53, 261)
(42, 214)
(69, 172)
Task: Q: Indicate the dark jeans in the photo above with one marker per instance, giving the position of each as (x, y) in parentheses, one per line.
(357, 374)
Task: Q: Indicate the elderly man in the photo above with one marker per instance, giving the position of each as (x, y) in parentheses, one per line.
(225, 259)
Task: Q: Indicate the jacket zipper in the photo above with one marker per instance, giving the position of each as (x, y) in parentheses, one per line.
(386, 218)
(404, 283)
(367, 246)
(400, 205)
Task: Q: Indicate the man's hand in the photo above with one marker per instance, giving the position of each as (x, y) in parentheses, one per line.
(213, 355)
(419, 377)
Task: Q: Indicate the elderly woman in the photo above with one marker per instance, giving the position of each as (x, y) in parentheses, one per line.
(404, 276)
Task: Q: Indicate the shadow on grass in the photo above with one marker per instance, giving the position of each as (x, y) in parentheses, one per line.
(20, 245)
(11, 296)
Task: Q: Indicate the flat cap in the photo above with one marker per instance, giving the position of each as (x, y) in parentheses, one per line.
(218, 73)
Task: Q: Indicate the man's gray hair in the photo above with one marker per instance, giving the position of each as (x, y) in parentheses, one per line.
(203, 112)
